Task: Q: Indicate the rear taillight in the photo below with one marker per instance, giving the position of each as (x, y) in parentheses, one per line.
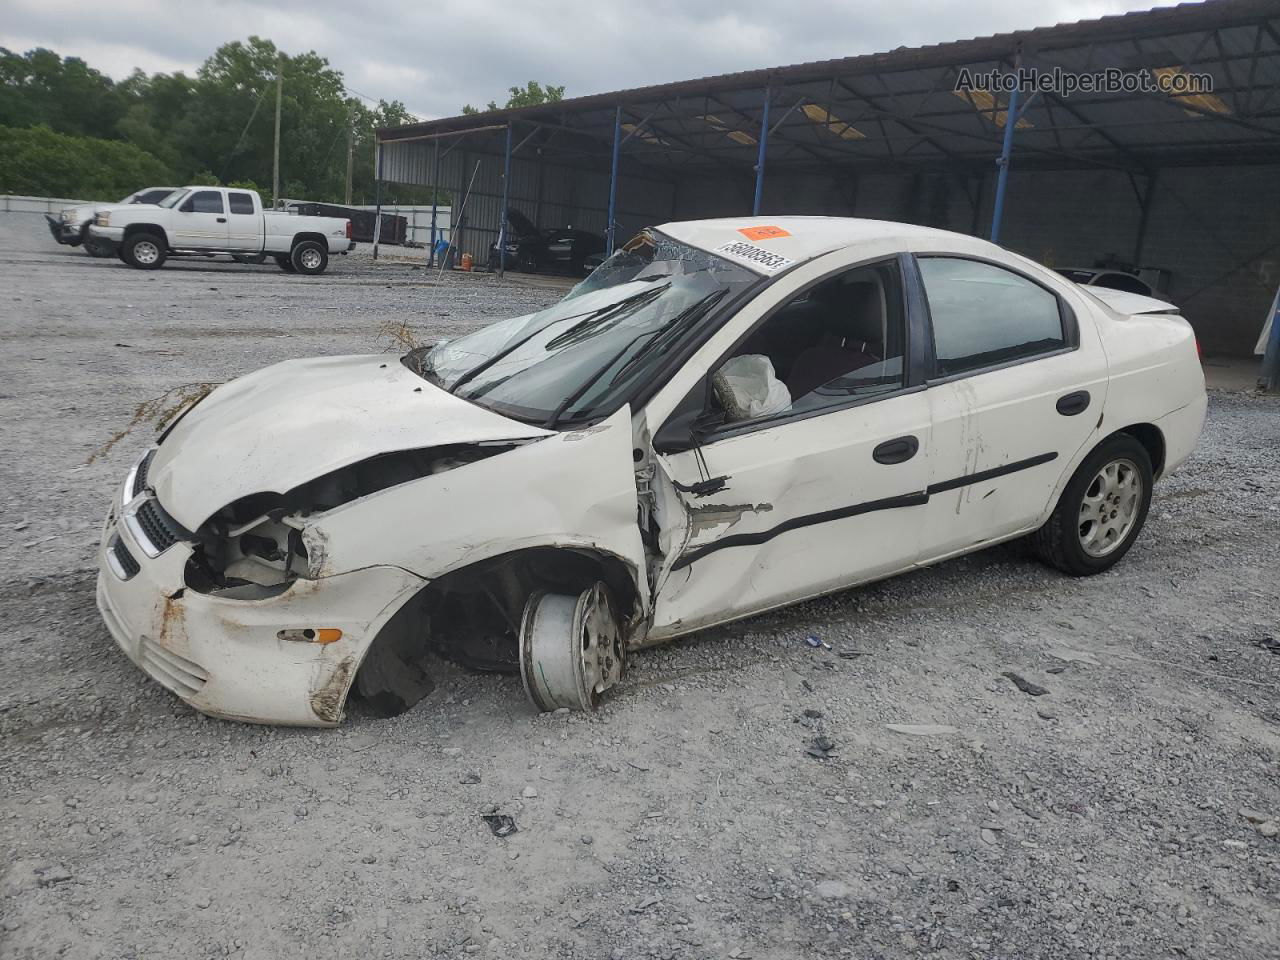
(348, 229)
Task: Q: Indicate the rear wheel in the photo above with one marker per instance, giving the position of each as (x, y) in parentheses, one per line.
(144, 251)
(309, 257)
(1101, 510)
(571, 648)
(284, 263)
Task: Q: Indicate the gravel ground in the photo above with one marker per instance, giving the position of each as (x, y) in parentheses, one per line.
(1129, 812)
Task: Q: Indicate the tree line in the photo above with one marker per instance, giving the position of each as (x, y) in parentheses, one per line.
(68, 130)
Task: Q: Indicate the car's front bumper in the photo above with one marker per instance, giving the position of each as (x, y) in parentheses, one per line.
(108, 238)
(224, 656)
(65, 232)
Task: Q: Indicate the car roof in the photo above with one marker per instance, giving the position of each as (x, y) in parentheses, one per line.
(797, 239)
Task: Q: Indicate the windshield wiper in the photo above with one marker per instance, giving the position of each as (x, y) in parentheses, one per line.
(611, 310)
(694, 311)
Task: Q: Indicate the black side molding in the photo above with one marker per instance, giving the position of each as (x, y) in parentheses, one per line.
(869, 506)
(1074, 403)
(971, 478)
(764, 536)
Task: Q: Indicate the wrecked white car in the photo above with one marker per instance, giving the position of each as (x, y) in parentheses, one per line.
(725, 417)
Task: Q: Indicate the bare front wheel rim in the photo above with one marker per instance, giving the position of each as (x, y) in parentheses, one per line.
(144, 251)
(571, 649)
(311, 259)
(1110, 507)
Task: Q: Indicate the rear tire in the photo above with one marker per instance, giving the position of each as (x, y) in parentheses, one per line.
(284, 263)
(145, 251)
(309, 258)
(1101, 511)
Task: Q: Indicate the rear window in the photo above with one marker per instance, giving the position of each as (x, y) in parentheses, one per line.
(984, 315)
(240, 202)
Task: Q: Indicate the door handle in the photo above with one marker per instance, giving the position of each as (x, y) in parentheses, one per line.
(1074, 403)
(898, 450)
(222, 219)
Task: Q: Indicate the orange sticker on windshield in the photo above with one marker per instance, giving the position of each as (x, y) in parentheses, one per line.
(763, 233)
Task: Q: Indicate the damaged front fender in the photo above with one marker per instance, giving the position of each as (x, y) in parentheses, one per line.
(574, 489)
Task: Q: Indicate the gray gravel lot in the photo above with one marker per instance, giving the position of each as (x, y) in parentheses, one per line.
(1131, 812)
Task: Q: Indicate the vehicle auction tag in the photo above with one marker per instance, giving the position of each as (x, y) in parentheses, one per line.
(763, 233)
(750, 253)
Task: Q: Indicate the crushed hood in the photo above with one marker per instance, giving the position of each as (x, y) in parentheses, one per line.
(289, 423)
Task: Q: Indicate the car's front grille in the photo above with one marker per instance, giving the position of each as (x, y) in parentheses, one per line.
(129, 567)
(140, 474)
(155, 529)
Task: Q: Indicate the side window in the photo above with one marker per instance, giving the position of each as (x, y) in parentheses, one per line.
(240, 202)
(983, 315)
(203, 201)
(842, 339)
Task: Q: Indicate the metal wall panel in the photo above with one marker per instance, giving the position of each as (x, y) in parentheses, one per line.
(549, 193)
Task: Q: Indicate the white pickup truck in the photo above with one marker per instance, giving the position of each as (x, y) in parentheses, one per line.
(71, 226)
(206, 221)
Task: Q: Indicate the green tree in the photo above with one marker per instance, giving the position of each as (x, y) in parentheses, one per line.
(38, 161)
(530, 95)
(214, 126)
(67, 95)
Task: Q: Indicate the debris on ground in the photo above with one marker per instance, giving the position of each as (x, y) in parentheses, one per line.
(1025, 685)
(921, 729)
(502, 825)
(821, 747)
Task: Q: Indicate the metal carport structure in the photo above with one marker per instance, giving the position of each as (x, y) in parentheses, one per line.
(889, 135)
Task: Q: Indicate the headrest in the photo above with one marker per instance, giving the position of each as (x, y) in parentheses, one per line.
(852, 310)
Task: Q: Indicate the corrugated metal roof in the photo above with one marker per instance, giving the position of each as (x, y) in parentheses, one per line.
(899, 109)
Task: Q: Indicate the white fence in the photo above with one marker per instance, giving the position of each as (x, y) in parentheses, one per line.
(9, 203)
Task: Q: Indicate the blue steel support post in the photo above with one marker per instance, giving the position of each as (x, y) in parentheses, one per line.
(764, 143)
(506, 193)
(613, 180)
(1002, 178)
(1271, 358)
(435, 199)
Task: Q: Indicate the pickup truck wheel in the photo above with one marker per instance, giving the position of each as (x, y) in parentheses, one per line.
(284, 263)
(309, 257)
(144, 251)
(1101, 511)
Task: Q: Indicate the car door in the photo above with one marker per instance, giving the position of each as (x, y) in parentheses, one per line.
(795, 496)
(200, 222)
(244, 222)
(1017, 387)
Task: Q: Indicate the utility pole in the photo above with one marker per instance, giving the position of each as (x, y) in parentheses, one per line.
(275, 167)
(351, 146)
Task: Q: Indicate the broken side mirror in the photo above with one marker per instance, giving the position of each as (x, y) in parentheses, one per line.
(690, 423)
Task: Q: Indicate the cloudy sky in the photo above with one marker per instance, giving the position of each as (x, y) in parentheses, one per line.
(435, 56)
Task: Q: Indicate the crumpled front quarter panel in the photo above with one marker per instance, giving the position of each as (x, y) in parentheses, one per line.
(571, 489)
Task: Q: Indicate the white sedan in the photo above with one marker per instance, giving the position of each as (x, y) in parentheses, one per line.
(726, 417)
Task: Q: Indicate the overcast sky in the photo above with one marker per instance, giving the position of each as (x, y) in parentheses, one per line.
(436, 56)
